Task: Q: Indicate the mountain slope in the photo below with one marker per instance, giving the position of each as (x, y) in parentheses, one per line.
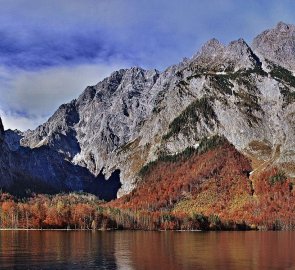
(43, 170)
(215, 172)
(135, 115)
(211, 184)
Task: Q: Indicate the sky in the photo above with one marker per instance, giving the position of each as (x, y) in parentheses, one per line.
(50, 50)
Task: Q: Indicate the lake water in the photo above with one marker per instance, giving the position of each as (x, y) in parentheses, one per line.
(146, 250)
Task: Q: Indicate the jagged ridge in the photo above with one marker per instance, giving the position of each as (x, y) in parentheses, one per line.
(136, 115)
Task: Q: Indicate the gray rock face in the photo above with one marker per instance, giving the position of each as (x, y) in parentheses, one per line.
(277, 45)
(217, 57)
(12, 139)
(104, 118)
(135, 115)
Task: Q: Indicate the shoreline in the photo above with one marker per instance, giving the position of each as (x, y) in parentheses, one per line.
(21, 229)
(104, 230)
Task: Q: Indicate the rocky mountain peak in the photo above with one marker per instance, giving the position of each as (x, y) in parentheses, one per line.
(211, 48)
(277, 45)
(137, 78)
(283, 27)
(215, 56)
(239, 46)
(118, 80)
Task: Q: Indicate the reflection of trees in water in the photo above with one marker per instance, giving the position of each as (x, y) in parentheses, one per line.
(123, 252)
(146, 250)
(150, 250)
(56, 249)
(214, 250)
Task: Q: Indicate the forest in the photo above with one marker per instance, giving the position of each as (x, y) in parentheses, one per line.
(85, 212)
(208, 189)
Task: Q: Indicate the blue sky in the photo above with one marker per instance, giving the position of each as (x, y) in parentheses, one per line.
(50, 50)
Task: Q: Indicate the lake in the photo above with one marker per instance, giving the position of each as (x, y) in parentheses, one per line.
(146, 250)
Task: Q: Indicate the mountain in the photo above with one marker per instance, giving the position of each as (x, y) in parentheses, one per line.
(277, 45)
(244, 94)
(43, 170)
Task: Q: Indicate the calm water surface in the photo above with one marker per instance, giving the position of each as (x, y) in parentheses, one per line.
(146, 250)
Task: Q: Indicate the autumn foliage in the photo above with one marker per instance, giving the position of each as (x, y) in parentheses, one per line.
(217, 186)
(82, 211)
(207, 190)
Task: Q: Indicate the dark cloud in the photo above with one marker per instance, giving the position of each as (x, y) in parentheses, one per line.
(39, 50)
(36, 34)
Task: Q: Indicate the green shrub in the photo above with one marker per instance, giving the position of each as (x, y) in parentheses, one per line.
(279, 177)
(200, 108)
(288, 96)
(283, 74)
(222, 83)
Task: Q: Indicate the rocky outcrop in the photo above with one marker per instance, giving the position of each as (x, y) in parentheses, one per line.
(214, 56)
(136, 115)
(277, 45)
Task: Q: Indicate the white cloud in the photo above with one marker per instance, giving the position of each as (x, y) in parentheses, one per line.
(14, 121)
(28, 98)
